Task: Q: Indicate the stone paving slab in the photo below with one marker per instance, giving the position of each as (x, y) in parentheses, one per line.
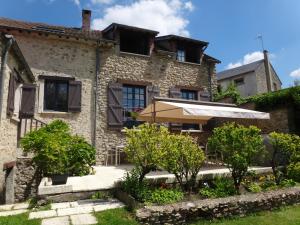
(62, 205)
(56, 221)
(42, 214)
(24, 205)
(103, 207)
(6, 207)
(83, 219)
(13, 212)
(73, 211)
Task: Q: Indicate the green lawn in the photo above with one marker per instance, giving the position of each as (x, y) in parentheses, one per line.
(285, 216)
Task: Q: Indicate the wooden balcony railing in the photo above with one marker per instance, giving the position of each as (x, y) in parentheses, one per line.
(27, 125)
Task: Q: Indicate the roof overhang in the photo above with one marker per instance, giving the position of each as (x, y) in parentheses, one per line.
(179, 111)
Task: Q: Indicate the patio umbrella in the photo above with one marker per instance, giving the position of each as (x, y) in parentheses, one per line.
(182, 111)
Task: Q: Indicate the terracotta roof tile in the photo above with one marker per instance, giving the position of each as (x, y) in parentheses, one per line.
(46, 28)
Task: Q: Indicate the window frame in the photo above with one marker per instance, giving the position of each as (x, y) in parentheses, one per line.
(128, 121)
(181, 55)
(55, 108)
(186, 126)
(239, 81)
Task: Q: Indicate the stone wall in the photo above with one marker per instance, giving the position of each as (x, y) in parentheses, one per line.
(262, 82)
(8, 125)
(53, 56)
(182, 213)
(26, 180)
(160, 69)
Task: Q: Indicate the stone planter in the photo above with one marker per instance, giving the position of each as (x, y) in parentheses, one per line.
(127, 199)
(59, 179)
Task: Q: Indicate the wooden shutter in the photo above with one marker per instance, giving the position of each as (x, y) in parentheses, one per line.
(115, 106)
(74, 98)
(152, 91)
(204, 96)
(11, 94)
(175, 92)
(28, 101)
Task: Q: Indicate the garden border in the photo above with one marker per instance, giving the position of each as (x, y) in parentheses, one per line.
(184, 212)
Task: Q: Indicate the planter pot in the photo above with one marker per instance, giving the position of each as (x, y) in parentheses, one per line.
(59, 179)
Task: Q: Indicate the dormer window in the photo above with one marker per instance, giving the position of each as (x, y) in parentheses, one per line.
(181, 55)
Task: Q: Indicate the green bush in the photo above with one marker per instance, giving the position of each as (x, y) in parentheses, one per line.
(220, 187)
(238, 146)
(134, 187)
(286, 155)
(164, 196)
(56, 151)
(143, 147)
(231, 91)
(287, 183)
(254, 187)
(183, 158)
(293, 171)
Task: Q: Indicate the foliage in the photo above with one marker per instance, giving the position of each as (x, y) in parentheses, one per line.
(238, 146)
(220, 187)
(288, 183)
(143, 147)
(231, 92)
(272, 99)
(293, 171)
(115, 217)
(101, 195)
(81, 156)
(163, 196)
(56, 151)
(134, 187)
(254, 187)
(183, 158)
(286, 154)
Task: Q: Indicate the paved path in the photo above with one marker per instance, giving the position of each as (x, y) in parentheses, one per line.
(76, 213)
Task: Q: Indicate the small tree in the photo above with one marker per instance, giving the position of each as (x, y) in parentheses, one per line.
(238, 146)
(143, 147)
(285, 155)
(183, 158)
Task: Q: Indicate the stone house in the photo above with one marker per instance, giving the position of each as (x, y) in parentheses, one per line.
(96, 80)
(251, 79)
(16, 83)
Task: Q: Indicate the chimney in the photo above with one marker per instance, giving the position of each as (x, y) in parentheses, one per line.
(86, 19)
(268, 70)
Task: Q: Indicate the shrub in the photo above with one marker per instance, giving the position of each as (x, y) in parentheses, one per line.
(285, 156)
(164, 196)
(231, 91)
(287, 183)
(143, 147)
(183, 158)
(238, 146)
(56, 151)
(133, 186)
(220, 187)
(293, 171)
(254, 187)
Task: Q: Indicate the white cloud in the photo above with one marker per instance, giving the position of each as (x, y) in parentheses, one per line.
(165, 16)
(295, 73)
(102, 1)
(76, 2)
(248, 58)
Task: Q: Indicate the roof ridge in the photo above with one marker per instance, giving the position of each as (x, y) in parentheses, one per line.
(239, 67)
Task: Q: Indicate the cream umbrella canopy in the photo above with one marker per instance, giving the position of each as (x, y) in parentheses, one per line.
(183, 111)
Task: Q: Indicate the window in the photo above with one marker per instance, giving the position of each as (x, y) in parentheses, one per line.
(134, 100)
(56, 95)
(134, 42)
(189, 95)
(239, 81)
(181, 55)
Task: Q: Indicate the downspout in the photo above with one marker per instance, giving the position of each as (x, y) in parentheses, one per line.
(96, 93)
(210, 82)
(7, 46)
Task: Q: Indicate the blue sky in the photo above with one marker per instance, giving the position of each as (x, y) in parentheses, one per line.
(231, 26)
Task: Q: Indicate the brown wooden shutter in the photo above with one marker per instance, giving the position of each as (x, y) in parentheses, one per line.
(152, 91)
(175, 92)
(11, 95)
(74, 98)
(204, 96)
(28, 101)
(115, 106)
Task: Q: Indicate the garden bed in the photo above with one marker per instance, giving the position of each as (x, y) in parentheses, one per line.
(184, 212)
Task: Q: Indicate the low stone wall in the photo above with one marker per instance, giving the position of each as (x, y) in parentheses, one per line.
(26, 179)
(184, 212)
